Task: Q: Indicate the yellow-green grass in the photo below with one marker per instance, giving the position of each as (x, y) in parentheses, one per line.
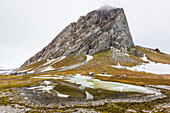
(155, 57)
(107, 107)
(70, 60)
(17, 81)
(136, 78)
(145, 80)
(10, 77)
(33, 65)
(101, 63)
(106, 58)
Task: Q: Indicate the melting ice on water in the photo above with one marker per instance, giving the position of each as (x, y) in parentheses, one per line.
(49, 89)
(89, 82)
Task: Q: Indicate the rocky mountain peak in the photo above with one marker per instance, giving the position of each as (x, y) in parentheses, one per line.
(97, 31)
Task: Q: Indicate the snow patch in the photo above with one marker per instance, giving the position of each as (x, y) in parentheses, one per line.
(51, 62)
(29, 72)
(26, 70)
(70, 67)
(127, 54)
(89, 58)
(88, 96)
(22, 93)
(61, 95)
(35, 87)
(26, 98)
(43, 88)
(47, 69)
(46, 88)
(104, 75)
(40, 59)
(144, 58)
(151, 67)
(47, 82)
(76, 65)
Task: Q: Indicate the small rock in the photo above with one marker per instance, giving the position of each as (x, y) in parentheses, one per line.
(91, 74)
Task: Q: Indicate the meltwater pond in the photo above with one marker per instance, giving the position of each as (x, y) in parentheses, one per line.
(78, 88)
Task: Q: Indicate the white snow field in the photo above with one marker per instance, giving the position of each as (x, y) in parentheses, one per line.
(151, 67)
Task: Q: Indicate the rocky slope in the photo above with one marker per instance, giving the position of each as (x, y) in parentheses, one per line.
(97, 31)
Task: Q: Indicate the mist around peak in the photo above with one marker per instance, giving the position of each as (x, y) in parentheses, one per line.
(106, 8)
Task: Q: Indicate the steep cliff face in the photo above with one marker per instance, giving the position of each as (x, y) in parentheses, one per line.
(97, 31)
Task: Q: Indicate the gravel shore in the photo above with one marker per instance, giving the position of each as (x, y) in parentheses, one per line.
(9, 109)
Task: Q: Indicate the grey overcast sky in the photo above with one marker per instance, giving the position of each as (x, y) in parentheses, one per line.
(26, 26)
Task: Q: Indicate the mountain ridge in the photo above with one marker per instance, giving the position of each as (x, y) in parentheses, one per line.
(97, 31)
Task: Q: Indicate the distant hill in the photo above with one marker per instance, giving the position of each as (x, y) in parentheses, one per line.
(5, 71)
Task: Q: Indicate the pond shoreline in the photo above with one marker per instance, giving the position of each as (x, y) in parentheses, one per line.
(104, 101)
(20, 104)
(64, 103)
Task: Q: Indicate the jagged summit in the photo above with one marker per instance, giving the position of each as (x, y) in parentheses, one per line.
(106, 8)
(97, 31)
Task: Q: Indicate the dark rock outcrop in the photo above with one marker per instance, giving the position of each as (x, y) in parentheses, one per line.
(95, 32)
